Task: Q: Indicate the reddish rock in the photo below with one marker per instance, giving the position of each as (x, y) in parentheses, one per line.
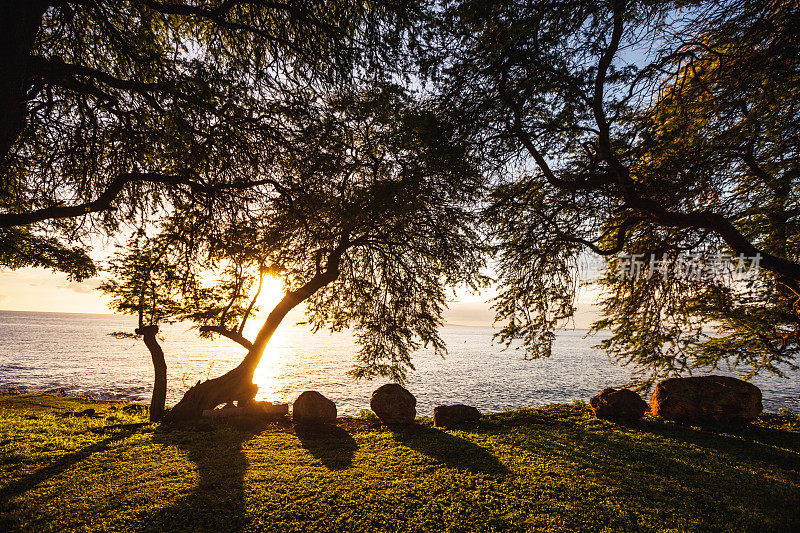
(311, 407)
(623, 404)
(452, 415)
(393, 404)
(706, 400)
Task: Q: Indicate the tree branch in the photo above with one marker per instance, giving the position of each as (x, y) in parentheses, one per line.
(116, 186)
(240, 329)
(721, 226)
(101, 203)
(604, 137)
(235, 336)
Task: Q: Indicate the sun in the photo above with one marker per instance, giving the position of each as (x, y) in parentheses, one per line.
(271, 294)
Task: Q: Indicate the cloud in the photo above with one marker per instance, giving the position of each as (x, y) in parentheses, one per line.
(83, 287)
(469, 314)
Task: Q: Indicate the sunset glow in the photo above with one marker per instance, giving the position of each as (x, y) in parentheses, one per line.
(271, 294)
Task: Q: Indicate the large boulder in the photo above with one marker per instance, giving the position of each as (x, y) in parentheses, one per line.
(312, 407)
(622, 404)
(393, 404)
(451, 415)
(706, 400)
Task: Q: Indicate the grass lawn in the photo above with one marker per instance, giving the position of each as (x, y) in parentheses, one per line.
(549, 469)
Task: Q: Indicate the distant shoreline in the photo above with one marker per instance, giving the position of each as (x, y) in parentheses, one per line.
(62, 313)
(452, 324)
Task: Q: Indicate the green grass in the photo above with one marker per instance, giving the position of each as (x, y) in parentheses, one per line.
(549, 469)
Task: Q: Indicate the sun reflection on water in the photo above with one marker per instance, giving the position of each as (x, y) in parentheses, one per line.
(267, 375)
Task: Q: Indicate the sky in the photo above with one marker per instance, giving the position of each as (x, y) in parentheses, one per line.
(36, 289)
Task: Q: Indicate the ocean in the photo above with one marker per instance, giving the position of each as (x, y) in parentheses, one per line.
(70, 351)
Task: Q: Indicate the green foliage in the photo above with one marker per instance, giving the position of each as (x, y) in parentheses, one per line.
(367, 414)
(395, 178)
(726, 125)
(368, 216)
(636, 128)
(159, 276)
(553, 468)
(523, 80)
(538, 271)
(21, 248)
(127, 108)
(142, 283)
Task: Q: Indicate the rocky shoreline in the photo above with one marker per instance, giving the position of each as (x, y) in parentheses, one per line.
(702, 400)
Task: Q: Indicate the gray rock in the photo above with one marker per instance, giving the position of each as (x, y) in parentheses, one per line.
(311, 407)
(393, 404)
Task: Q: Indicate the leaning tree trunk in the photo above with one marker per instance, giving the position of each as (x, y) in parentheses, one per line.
(160, 366)
(237, 385)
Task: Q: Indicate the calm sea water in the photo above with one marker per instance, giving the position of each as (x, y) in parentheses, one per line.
(42, 351)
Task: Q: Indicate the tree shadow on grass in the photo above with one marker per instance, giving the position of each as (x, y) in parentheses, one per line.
(63, 463)
(332, 445)
(217, 502)
(752, 443)
(453, 451)
(738, 478)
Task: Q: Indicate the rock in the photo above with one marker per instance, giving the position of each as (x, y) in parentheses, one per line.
(613, 404)
(266, 410)
(452, 415)
(706, 400)
(269, 409)
(393, 404)
(312, 407)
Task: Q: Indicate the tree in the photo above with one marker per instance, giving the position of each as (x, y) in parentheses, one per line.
(143, 284)
(150, 278)
(112, 111)
(637, 128)
(727, 119)
(372, 214)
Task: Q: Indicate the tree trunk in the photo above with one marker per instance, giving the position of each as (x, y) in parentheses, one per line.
(160, 366)
(19, 24)
(237, 385)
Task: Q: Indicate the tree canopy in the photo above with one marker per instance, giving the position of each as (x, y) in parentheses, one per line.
(122, 108)
(246, 138)
(370, 217)
(626, 127)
